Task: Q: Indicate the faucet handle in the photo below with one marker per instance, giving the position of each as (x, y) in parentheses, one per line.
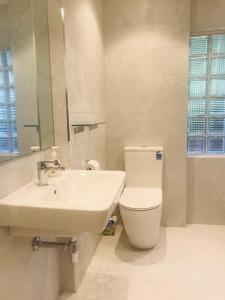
(43, 164)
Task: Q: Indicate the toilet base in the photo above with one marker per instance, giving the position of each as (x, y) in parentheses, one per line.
(142, 226)
(141, 246)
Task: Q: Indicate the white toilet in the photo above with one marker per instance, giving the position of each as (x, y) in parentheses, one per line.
(141, 201)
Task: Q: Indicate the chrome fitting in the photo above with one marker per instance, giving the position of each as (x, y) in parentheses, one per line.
(37, 243)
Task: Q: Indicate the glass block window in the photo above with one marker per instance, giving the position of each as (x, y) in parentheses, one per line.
(8, 128)
(206, 105)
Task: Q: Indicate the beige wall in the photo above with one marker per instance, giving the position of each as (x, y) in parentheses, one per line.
(206, 189)
(84, 60)
(146, 44)
(207, 15)
(4, 27)
(86, 98)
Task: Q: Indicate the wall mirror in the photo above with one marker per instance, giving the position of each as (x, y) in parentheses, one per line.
(26, 113)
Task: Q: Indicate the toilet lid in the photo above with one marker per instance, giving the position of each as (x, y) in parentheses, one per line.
(141, 198)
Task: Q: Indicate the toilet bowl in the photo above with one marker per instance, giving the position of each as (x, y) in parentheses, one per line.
(140, 210)
(141, 201)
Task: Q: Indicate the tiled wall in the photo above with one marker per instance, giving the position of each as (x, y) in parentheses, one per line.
(206, 203)
(85, 84)
(84, 60)
(25, 275)
(89, 144)
(85, 145)
(146, 44)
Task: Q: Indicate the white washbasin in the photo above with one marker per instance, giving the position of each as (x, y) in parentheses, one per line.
(76, 202)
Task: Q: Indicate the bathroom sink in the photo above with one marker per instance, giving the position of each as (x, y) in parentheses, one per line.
(74, 203)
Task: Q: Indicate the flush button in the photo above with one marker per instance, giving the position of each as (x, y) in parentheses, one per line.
(158, 155)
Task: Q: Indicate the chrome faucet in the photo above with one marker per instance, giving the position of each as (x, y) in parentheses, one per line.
(44, 167)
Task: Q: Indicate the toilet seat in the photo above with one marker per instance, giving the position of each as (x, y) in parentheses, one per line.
(141, 198)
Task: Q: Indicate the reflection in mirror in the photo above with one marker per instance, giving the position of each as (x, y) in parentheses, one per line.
(26, 117)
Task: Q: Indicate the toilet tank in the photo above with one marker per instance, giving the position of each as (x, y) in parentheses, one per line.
(144, 166)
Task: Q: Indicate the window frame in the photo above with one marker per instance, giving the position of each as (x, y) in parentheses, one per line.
(208, 78)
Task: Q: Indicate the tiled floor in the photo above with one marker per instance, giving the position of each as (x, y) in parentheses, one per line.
(188, 264)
